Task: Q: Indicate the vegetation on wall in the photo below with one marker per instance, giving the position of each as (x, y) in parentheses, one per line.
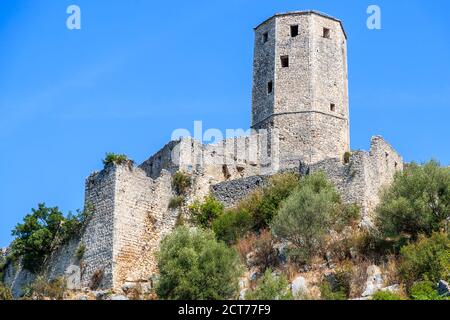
(194, 266)
(181, 182)
(118, 159)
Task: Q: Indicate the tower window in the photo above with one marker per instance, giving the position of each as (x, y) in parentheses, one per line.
(332, 107)
(294, 31)
(269, 87)
(326, 33)
(265, 37)
(285, 61)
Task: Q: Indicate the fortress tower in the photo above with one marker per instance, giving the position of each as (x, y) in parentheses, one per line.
(300, 85)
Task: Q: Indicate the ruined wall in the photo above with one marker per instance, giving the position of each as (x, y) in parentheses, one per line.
(231, 192)
(362, 180)
(99, 233)
(141, 219)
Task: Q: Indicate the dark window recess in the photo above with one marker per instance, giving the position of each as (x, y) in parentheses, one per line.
(285, 61)
(265, 37)
(294, 31)
(269, 87)
(332, 107)
(326, 33)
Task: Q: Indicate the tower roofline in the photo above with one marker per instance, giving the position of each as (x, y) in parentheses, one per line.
(304, 12)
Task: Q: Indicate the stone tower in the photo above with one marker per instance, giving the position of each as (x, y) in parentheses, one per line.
(300, 85)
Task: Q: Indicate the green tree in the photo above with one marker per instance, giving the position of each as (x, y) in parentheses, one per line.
(426, 260)
(418, 202)
(205, 213)
(232, 225)
(308, 214)
(271, 287)
(194, 266)
(41, 232)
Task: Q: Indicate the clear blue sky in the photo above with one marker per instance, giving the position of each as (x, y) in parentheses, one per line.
(139, 69)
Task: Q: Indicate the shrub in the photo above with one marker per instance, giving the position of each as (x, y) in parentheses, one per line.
(232, 225)
(96, 279)
(271, 287)
(426, 260)
(176, 202)
(80, 252)
(41, 232)
(42, 289)
(181, 183)
(387, 295)
(327, 292)
(118, 159)
(424, 290)
(203, 214)
(264, 255)
(194, 266)
(347, 156)
(307, 216)
(5, 292)
(418, 202)
(264, 204)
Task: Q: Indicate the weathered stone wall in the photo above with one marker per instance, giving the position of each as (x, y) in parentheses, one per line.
(310, 104)
(99, 234)
(17, 278)
(141, 219)
(231, 192)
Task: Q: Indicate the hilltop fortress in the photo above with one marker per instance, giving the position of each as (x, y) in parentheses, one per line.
(300, 122)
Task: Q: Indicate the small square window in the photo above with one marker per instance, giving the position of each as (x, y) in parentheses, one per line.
(285, 61)
(332, 107)
(269, 87)
(265, 37)
(294, 31)
(326, 33)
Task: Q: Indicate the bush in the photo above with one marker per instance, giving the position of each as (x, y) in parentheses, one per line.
(308, 214)
(80, 252)
(5, 292)
(181, 183)
(194, 266)
(41, 232)
(418, 202)
(426, 260)
(42, 289)
(387, 295)
(424, 290)
(203, 214)
(118, 159)
(327, 292)
(232, 225)
(261, 246)
(176, 202)
(96, 279)
(271, 287)
(264, 204)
